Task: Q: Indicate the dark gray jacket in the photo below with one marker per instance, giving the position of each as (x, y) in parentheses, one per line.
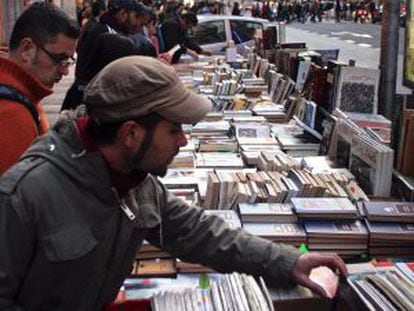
(66, 243)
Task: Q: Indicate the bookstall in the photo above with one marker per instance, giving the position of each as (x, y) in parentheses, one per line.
(294, 152)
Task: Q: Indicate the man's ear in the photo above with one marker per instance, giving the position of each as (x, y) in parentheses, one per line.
(26, 50)
(131, 134)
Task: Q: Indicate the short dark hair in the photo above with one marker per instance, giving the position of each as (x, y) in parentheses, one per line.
(97, 7)
(190, 18)
(105, 133)
(42, 22)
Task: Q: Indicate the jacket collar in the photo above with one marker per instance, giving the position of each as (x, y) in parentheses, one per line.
(14, 75)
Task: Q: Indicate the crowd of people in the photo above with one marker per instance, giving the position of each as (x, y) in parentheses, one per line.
(311, 10)
(77, 199)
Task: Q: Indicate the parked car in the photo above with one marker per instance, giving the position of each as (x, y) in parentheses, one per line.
(214, 31)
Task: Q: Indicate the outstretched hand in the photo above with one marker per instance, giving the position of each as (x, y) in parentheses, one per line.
(306, 262)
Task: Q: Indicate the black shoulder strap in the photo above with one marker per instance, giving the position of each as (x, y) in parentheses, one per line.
(8, 92)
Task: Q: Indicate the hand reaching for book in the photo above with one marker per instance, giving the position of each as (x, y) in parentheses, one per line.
(306, 262)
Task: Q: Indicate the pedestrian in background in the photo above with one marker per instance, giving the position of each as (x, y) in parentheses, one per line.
(121, 18)
(41, 49)
(236, 9)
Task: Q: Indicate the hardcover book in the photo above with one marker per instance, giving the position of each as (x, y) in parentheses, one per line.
(267, 212)
(389, 211)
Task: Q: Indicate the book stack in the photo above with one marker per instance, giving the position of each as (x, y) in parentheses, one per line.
(383, 290)
(217, 128)
(179, 178)
(332, 187)
(188, 179)
(251, 153)
(219, 160)
(226, 189)
(300, 145)
(384, 211)
(267, 213)
(273, 113)
(184, 159)
(247, 119)
(276, 161)
(235, 102)
(238, 291)
(325, 208)
(287, 233)
(308, 185)
(217, 144)
(226, 87)
(253, 134)
(317, 164)
(391, 227)
(391, 239)
(347, 238)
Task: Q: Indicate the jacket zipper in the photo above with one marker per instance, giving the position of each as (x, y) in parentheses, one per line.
(131, 216)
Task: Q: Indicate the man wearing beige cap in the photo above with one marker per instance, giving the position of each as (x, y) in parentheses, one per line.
(76, 208)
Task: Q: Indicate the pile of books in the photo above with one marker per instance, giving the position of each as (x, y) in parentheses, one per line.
(277, 161)
(226, 189)
(391, 228)
(325, 208)
(267, 213)
(387, 289)
(240, 291)
(287, 233)
(347, 237)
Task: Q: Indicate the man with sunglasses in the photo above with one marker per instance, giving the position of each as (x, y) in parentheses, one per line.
(41, 51)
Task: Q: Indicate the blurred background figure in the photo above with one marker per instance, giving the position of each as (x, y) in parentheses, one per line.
(236, 9)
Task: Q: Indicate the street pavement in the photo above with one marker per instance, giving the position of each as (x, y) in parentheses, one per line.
(360, 42)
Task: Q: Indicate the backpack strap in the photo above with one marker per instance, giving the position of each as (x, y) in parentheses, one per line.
(10, 93)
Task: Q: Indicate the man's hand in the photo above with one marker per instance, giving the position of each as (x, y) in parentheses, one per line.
(206, 52)
(306, 262)
(193, 54)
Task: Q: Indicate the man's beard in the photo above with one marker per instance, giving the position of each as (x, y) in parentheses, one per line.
(136, 166)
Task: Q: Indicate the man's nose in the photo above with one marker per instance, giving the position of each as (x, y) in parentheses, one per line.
(182, 140)
(64, 70)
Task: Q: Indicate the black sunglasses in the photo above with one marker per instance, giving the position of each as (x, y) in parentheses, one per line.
(59, 60)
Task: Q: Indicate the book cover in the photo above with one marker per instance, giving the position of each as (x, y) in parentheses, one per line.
(357, 89)
(389, 211)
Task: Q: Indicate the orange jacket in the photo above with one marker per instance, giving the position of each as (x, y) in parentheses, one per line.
(17, 127)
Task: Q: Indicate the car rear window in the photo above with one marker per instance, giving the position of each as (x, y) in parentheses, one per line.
(209, 32)
(242, 31)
